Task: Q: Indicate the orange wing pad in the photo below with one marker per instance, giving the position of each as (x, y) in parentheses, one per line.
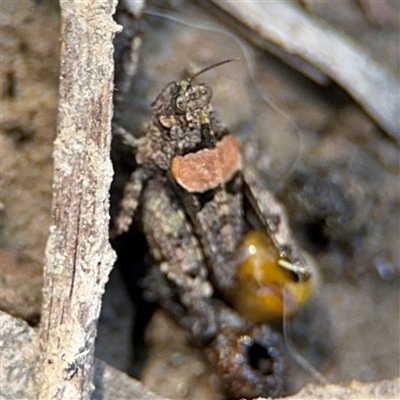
(208, 168)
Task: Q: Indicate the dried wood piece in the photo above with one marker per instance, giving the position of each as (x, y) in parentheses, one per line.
(78, 254)
(18, 356)
(18, 349)
(336, 55)
(19, 353)
(387, 389)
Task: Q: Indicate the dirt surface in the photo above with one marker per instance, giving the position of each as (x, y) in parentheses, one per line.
(308, 136)
(29, 90)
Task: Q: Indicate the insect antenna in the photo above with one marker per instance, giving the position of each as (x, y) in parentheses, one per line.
(302, 361)
(162, 93)
(212, 66)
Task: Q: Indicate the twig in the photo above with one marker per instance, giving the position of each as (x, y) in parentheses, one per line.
(78, 255)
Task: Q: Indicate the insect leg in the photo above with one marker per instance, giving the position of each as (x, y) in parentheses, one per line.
(129, 203)
(177, 253)
(274, 219)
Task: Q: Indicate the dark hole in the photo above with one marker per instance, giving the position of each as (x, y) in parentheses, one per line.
(260, 359)
(131, 248)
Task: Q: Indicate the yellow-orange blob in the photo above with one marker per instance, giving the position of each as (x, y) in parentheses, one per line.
(266, 291)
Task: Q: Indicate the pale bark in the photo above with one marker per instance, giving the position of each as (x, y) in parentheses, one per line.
(78, 254)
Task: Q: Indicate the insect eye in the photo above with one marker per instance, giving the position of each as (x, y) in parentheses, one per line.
(180, 103)
(207, 92)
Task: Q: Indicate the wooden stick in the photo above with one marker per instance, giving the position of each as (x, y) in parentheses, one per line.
(78, 255)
